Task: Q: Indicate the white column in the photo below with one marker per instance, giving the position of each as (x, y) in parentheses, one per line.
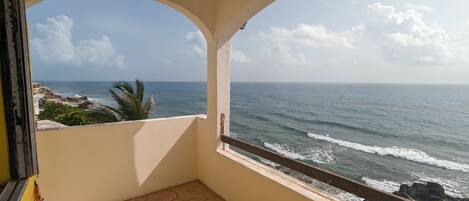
(218, 89)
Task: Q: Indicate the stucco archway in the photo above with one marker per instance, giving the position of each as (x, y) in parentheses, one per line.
(218, 20)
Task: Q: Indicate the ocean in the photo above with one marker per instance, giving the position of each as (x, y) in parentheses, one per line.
(381, 134)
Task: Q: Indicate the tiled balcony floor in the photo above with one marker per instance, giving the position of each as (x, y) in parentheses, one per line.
(193, 191)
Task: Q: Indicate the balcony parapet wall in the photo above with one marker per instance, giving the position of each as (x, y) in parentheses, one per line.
(116, 161)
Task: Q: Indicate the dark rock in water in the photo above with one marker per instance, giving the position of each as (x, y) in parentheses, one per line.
(83, 98)
(85, 104)
(425, 192)
(75, 100)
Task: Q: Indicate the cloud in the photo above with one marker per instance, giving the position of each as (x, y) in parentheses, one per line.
(239, 56)
(405, 38)
(198, 47)
(420, 7)
(286, 56)
(313, 36)
(56, 46)
(285, 44)
(197, 43)
(393, 36)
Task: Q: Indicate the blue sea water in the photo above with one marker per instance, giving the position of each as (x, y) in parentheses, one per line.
(380, 134)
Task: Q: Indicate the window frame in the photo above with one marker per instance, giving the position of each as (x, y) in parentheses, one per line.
(17, 94)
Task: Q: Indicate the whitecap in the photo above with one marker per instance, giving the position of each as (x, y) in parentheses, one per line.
(323, 156)
(384, 185)
(285, 150)
(399, 152)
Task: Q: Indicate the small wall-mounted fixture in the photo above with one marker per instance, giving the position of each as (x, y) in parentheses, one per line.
(244, 26)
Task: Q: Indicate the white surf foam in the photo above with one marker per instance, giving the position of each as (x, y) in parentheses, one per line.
(453, 188)
(322, 156)
(65, 94)
(284, 150)
(384, 185)
(345, 196)
(399, 152)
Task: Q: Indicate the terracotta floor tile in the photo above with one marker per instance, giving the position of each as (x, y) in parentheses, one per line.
(192, 191)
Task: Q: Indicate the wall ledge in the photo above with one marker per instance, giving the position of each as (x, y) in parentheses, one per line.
(279, 177)
(195, 116)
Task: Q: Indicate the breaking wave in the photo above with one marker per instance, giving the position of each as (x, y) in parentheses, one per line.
(384, 185)
(334, 124)
(285, 150)
(90, 99)
(317, 155)
(398, 152)
(452, 187)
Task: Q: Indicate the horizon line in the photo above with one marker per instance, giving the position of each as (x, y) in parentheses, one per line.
(286, 82)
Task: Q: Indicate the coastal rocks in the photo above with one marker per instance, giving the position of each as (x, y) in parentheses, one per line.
(71, 99)
(425, 192)
(86, 104)
(43, 94)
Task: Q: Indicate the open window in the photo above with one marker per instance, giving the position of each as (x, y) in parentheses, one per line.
(17, 137)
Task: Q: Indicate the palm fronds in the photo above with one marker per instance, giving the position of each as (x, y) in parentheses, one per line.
(130, 102)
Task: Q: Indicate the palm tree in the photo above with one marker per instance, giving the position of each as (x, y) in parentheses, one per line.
(130, 103)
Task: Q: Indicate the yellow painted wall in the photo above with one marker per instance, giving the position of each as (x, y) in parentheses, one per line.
(4, 165)
(28, 193)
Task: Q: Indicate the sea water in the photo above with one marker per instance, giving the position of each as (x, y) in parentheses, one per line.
(381, 134)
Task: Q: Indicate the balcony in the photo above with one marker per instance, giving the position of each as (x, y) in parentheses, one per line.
(151, 159)
(121, 161)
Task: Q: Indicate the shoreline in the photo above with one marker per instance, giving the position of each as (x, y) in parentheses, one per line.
(43, 94)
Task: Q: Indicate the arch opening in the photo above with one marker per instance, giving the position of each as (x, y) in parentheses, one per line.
(77, 58)
(333, 86)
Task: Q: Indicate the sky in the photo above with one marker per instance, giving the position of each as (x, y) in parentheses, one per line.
(363, 41)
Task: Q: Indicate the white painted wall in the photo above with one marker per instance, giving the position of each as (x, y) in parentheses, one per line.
(116, 161)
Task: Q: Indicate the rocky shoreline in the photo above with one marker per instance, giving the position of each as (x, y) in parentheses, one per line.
(425, 192)
(428, 191)
(43, 94)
